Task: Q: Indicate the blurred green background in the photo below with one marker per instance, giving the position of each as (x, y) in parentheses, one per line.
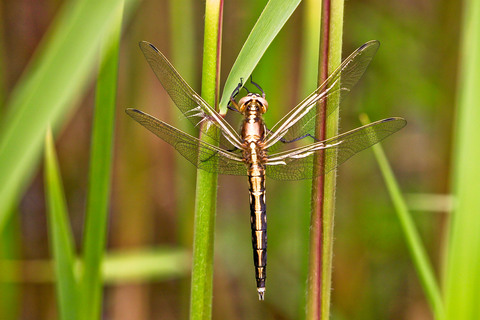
(412, 76)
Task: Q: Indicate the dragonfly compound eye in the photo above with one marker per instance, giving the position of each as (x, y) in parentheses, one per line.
(263, 104)
(243, 103)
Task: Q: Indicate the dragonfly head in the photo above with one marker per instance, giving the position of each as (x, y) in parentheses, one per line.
(253, 102)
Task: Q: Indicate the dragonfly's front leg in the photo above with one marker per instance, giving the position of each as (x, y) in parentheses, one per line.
(237, 91)
(233, 96)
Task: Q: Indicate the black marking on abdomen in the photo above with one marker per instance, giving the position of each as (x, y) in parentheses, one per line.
(258, 221)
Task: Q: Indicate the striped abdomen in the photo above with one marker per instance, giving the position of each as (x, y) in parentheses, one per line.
(253, 135)
(258, 219)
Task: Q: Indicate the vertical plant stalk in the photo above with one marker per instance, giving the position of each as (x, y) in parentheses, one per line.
(323, 190)
(309, 82)
(10, 250)
(60, 234)
(206, 192)
(184, 44)
(462, 280)
(98, 196)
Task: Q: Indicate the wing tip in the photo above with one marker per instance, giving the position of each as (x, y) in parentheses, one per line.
(146, 45)
(401, 121)
(131, 111)
(394, 119)
(370, 43)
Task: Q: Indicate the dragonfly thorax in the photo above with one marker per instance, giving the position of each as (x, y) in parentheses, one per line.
(253, 102)
(253, 127)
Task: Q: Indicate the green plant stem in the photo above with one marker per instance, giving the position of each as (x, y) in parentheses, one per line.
(311, 46)
(9, 250)
(61, 237)
(309, 82)
(184, 44)
(323, 190)
(206, 192)
(462, 280)
(183, 55)
(414, 244)
(100, 174)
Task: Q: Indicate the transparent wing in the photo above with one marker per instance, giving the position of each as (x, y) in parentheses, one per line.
(203, 155)
(301, 119)
(185, 98)
(301, 163)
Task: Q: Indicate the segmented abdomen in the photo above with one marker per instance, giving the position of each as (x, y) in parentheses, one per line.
(258, 219)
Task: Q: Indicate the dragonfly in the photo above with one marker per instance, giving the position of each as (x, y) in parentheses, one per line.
(251, 150)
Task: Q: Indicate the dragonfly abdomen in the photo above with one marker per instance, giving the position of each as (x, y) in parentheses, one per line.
(258, 220)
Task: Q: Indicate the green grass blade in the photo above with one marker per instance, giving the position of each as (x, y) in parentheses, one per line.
(414, 244)
(462, 280)
(323, 190)
(9, 250)
(206, 192)
(139, 265)
(146, 264)
(61, 238)
(272, 19)
(58, 73)
(100, 173)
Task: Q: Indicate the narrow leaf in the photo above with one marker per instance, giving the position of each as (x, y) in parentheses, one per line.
(10, 245)
(139, 265)
(100, 173)
(462, 280)
(414, 244)
(270, 22)
(61, 238)
(146, 264)
(47, 91)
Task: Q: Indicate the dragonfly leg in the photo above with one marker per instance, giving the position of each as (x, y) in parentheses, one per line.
(234, 94)
(237, 89)
(229, 107)
(233, 105)
(258, 86)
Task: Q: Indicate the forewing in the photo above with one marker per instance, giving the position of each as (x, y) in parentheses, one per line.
(302, 163)
(185, 98)
(203, 155)
(301, 119)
